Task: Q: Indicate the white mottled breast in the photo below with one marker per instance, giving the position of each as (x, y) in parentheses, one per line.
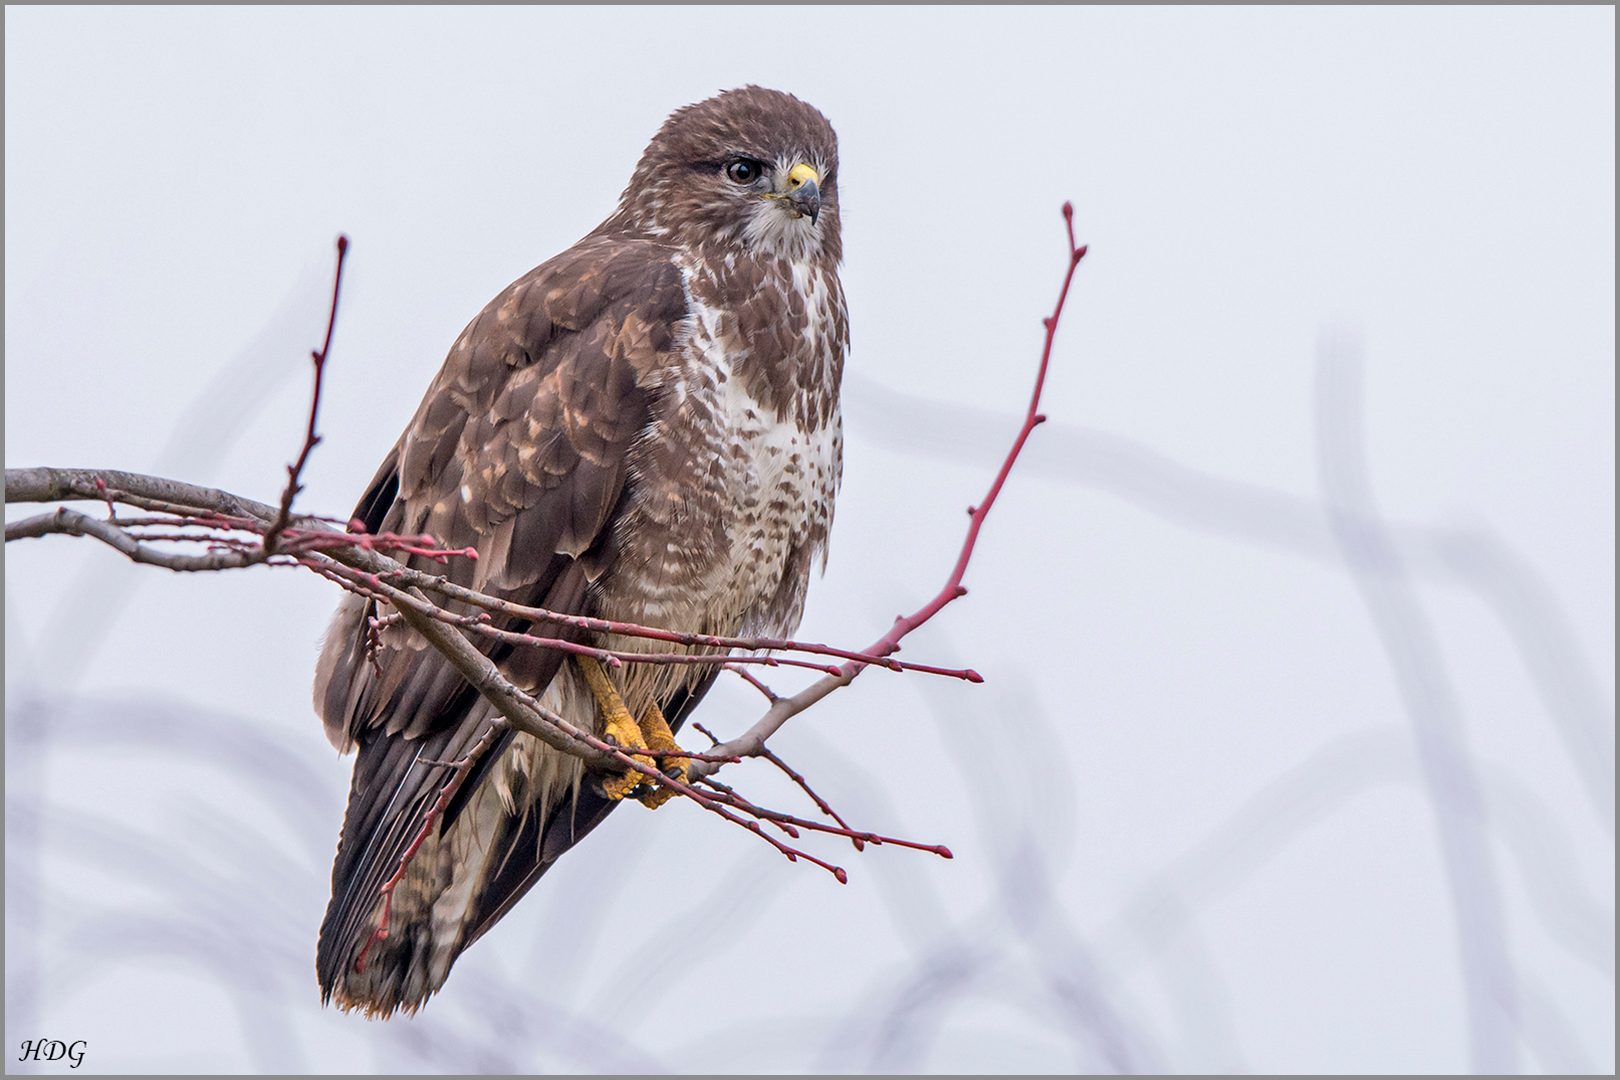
(784, 475)
(722, 534)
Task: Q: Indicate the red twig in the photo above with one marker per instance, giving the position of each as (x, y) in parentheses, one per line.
(953, 585)
(374, 647)
(748, 677)
(462, 767)
(273, 534)
(721, 759)
(296, 542)
(388, 543)
(729, 795)
(112, 510)
(478, 624)
(821, 803)
(587, 622)
(714, 806)
(752, 741)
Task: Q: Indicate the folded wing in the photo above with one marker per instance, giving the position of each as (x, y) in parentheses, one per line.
(519, 450)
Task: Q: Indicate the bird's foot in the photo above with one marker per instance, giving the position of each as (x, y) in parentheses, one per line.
(655, 729)
(621, 729)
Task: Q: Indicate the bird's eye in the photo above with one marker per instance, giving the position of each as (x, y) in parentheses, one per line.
(743, 172)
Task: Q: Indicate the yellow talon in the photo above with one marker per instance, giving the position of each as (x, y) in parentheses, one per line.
(655, 729)
(652, 733)
(618, 726)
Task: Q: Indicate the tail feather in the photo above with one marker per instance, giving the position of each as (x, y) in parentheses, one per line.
(531, 804)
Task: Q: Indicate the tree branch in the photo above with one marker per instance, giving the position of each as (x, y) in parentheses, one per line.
(240, 532)
(135, 489)
(72, 523)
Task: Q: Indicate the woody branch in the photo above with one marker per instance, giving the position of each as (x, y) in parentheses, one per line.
(238, 532)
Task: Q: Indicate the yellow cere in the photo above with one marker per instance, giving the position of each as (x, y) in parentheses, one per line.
(800, 173)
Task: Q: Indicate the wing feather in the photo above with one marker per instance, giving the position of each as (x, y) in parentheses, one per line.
(518, 450)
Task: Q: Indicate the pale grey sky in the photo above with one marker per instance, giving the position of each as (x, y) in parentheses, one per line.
(1239, 853)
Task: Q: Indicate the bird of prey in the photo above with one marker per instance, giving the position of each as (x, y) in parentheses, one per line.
(645, 428)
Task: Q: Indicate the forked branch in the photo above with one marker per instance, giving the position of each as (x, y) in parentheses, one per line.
(237, 532)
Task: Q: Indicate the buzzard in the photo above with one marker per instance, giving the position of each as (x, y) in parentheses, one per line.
(644, 428)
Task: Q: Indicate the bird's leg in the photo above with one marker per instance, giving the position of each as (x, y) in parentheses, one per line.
(618, 727)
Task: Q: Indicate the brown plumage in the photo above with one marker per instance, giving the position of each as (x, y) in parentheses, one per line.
(644, 428)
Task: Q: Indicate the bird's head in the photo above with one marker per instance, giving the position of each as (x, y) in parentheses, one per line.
(753, 168)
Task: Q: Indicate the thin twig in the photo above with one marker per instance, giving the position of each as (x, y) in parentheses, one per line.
(311, 440)
(72, 523)
(748, 677)
(462, 768)
(821, 803)
(612, 657)
(731, 797)
(155, 493)
(752, 742)
(586, 622)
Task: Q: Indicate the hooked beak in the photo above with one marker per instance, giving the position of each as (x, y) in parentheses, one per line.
(803, 195)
